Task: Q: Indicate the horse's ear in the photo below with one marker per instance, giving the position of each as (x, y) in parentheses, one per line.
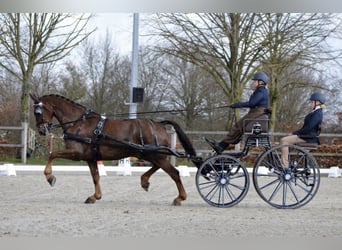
(34, 97)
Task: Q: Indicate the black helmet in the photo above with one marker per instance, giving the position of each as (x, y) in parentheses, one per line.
(317, 97)
(261, 76)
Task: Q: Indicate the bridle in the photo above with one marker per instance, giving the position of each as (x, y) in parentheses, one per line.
(39, 110)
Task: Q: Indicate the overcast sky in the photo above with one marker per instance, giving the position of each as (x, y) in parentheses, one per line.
(120, 25)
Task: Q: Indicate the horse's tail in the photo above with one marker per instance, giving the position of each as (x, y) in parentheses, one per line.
(185, 141)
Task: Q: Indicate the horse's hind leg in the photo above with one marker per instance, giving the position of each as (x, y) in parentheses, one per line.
(96, 179)
(174, 174)
(144, 179)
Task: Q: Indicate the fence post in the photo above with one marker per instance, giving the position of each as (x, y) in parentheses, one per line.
(24, 126)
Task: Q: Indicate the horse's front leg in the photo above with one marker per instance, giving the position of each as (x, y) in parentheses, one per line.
(66, 154)
(96, 179)
(48, 172)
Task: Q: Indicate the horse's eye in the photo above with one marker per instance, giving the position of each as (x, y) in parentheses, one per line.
(38, 111)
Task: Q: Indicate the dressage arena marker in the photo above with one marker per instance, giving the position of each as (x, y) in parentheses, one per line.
(8, 169)
(334, 172)
(125, 165)
(101, 168)
(263, 170)
(183, 170)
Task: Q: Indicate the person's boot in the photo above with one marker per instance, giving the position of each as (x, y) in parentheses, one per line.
(219, 147)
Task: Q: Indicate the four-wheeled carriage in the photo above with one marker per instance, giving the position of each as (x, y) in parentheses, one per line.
(223, 180)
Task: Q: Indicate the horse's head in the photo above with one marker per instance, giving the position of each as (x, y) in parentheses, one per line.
(43, 113)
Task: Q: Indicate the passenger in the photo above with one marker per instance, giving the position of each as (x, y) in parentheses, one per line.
(311, 127)
(258, 105)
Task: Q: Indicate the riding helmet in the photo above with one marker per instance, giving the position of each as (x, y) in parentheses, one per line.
(318, 97)
(261, 76)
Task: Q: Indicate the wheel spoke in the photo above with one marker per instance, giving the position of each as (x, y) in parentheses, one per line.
(275, 191)
(290, 187)
(225, 183)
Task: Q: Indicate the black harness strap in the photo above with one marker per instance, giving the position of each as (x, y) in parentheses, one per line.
(94, 141)
(153, 131)
(140, 133)
(97, 136)
(75, 137)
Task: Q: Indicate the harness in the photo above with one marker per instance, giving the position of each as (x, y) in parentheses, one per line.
(98, 134)
(94, 140)
(99, 138)
(153, 132)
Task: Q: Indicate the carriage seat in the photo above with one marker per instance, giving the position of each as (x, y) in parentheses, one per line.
(311, 145)
(256, 126)
(308, 145)
(256, 132)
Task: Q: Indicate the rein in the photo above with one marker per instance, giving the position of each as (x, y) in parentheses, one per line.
(82, 117)
(173, 111)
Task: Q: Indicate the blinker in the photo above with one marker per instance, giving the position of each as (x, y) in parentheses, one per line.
(38, 111)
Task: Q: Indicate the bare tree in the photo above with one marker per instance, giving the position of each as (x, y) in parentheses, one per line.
(231, 47)
(96, 67)
(177, 89)
(27, 40)
(221, 44)
(107, 77)
(155, 81)
(72, 83)
(294, 52)
(103, 75)
(9, 99)
(44, 79)
(191, 90)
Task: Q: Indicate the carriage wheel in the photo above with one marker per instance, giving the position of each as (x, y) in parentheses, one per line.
(290, 187)
(222, 181)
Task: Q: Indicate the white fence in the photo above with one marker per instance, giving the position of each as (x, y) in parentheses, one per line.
(124, 170)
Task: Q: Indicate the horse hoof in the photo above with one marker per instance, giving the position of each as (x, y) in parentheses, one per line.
(89, 201)
(145, 186)
(52, 180)
(176, 203)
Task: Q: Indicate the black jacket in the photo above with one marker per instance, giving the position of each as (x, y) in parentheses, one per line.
(258, 99)
(311, 127)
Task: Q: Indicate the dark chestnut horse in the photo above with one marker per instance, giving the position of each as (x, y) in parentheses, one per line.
(90, 137)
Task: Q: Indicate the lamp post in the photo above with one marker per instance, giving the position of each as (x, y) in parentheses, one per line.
(134, 73)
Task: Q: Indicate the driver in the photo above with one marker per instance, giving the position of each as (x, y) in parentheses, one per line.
(258, 105)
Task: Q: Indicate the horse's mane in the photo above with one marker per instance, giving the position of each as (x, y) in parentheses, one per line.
(65, 99)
